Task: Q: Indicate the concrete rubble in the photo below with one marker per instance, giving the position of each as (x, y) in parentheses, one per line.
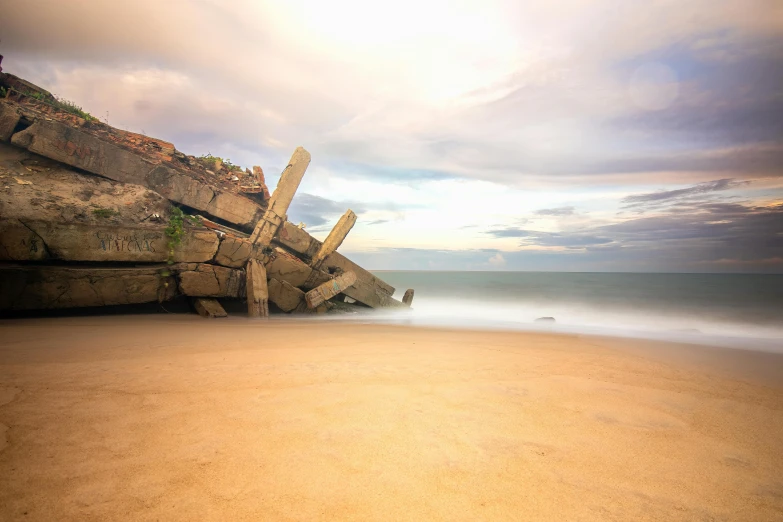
(91, 215)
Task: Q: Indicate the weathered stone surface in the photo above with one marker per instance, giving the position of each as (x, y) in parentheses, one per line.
(281, 199)
(296, 239)
(86, 151)
(188, 191)
(110, 243)
(335, 238)
(233, 252)
(329, 289)
(407, 299)
(9, 117)
(58, 193)
(285, 296)
(367, 289)
(286, 267)
(209, 308)
(79, 149)
(257, 290)
(20, 243)
(202, 280)
(42, 287)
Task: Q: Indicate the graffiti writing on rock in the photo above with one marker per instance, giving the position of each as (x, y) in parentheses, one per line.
(109, 242)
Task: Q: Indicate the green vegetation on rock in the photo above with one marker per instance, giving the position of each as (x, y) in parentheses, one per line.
(104, 212)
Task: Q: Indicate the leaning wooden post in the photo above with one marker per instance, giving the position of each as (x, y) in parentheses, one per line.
(408, 297)
(257, 290)
(329, 289)
(335, 238)
(275, 213)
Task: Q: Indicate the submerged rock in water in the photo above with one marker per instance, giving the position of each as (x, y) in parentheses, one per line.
(545, 320)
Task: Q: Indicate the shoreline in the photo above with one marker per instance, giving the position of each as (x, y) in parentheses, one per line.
(176, 418)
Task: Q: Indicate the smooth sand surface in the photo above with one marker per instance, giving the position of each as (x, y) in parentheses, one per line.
(180, 418)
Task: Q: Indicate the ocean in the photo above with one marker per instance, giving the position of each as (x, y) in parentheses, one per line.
(733, 310)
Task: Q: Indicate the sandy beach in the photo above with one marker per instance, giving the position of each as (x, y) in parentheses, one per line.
(179, 418)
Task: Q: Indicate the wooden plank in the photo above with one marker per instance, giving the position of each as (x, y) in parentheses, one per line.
(257, 290)
(281, 199)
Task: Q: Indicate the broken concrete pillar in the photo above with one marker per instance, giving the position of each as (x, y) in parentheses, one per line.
(287, 267)
(281, 199)
(257, 290)
(407, 299)
(329, 289)
(335, 238)
(209, 308)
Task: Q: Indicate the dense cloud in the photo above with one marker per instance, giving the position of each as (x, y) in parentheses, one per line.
(565, 107)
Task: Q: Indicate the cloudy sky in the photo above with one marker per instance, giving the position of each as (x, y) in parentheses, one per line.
(585, 135)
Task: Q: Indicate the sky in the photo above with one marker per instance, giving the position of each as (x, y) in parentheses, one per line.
(600, 135)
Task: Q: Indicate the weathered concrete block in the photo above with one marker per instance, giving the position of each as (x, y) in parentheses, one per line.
(298, 240)
(233, 252)
(185, 190)
(86, 151)
(286, 267)
(329, 289)
(9, 117)
(407, 299)
(82, 150)
(285, 296)
(257, 289)
(209, 308)
(368, 289)
(149, 244)
(43, 287)
(20, 243)
(202, 280)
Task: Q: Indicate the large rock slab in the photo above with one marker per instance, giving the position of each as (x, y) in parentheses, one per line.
(20, 243)
(51, 191)
(202, 280)
(106, 243)
(287, 297)
(209, 308)
(86, 151)
(45, 287)
(233, 252)
(287, 267)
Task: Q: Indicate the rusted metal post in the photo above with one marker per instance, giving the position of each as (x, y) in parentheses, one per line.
(257, 290)
(335, 238)
(275, 214)
(329, 289)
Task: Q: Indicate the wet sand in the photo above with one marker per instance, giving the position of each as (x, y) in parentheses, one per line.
(179, 418)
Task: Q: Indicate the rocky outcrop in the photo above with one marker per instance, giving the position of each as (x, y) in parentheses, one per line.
(101, 216)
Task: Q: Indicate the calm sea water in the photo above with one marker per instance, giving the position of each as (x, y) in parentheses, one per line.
(741, 310)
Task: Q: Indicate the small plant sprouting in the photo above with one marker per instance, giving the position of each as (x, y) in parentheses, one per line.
(3, 92)
(175, 231)
(104, 212)
(209, 158)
